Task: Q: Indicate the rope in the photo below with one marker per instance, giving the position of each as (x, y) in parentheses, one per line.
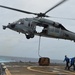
(39, 46)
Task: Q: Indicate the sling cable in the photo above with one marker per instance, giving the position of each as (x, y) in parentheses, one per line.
(39, 46)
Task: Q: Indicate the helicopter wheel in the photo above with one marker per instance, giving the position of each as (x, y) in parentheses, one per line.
(32, 35)
(28, 36)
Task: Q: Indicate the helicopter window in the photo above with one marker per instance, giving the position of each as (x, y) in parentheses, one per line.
(29, 24)
(20, 22)
(53, 23)
(62, 27)
(59, 26)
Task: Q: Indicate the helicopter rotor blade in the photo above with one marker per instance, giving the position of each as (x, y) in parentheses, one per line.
(38, 14)
(18, 10)
(55, 6)
(62, 18)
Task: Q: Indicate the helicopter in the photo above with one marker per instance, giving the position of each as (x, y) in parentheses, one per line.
(50, 28)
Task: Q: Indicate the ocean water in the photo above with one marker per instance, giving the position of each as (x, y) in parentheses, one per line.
(2, 60)
(25, 59)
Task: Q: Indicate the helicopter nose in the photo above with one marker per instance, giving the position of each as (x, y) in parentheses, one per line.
(11, 26)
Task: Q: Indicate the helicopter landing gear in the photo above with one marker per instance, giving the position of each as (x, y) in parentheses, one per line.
(32, 35)
(28, 36)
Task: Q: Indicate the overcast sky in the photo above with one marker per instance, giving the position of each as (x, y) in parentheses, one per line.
(15, 44)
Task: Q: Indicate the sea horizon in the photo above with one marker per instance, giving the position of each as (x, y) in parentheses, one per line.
(25, 59)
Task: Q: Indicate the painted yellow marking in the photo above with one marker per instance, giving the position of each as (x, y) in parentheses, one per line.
(55, 71)
(7, 72)
(69, 72)
(24, 74)
(30, 68)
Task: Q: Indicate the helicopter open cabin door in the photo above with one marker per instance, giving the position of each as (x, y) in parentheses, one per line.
(54, 32)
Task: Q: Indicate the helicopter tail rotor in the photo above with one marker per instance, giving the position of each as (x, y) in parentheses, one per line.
(4, 27)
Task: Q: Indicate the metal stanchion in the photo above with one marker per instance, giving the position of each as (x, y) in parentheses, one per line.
(2, 69)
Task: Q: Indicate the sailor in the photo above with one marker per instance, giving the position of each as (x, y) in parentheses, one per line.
(72, 63)
(67, 62)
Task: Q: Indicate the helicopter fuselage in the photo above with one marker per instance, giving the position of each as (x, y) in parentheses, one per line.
(50, 29)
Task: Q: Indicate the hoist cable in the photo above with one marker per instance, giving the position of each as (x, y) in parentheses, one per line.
(39, 46)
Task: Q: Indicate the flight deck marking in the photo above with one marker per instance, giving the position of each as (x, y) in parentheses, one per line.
(57, 71)
(7, 72)
(30, 68)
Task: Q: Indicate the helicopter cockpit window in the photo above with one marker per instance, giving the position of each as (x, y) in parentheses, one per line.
(59, 26)
(62, 27)
(20, 22)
